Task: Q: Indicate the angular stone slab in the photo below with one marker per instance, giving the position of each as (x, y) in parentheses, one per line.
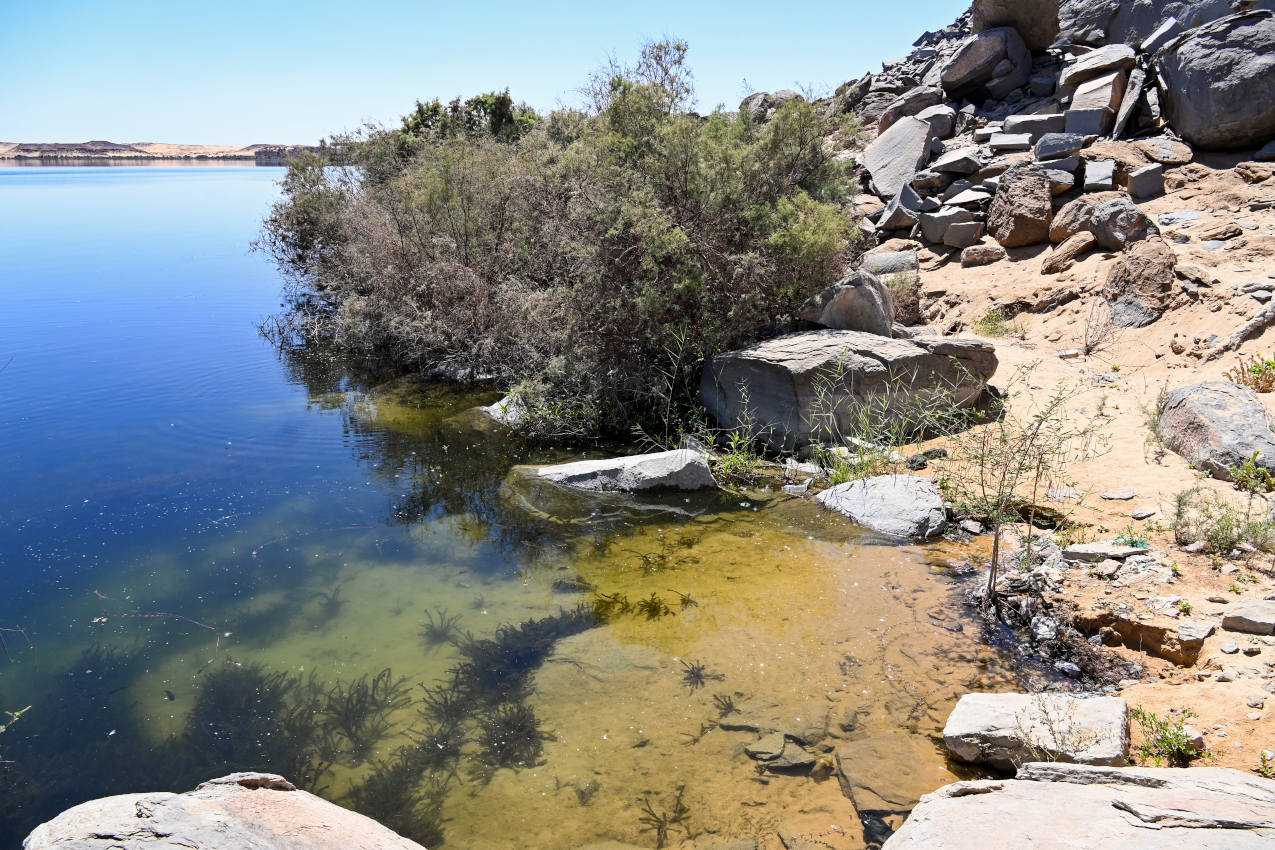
(785, 381)
(680, 469)
(1005, 731)
(1218, 425)
(1079, 807)
(897, 154)
(1111, 57)
(1254, 618)
(1092, 553)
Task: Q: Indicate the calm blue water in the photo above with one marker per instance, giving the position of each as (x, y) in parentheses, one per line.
(210, 549)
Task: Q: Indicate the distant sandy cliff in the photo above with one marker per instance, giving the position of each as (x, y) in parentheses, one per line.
(100, 150)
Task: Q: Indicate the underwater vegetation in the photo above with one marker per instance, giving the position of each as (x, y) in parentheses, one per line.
(510, 736)
(330, 603)
(677, 814)
(358, 712)
(494, 670)
(442, 705)
(398, 794)
(695, 675)
(653, 607)
(608, 606)
(436, 632)
(725, 704)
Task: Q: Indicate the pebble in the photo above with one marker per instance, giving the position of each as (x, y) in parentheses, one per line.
(1256, 701)
(1144, 512)
(1214, 245)
(1220, 600)
(1120, 494)
(1252, 650)
(1069, 354)
(970, 526)
(1261, 296)
(1227, 675)
(1230, 647)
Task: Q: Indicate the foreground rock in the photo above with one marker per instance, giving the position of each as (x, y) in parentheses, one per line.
(897, 505)
(1140, 283)
(1007, 730)
(1065, 806)
(243, 811)
(1022, 210)
(1219, 82)
(812, 386)
(1218, 425)
(1253, 618)
(681, 469)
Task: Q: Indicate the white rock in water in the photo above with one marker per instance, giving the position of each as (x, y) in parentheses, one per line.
(897, 505)
(681, 469)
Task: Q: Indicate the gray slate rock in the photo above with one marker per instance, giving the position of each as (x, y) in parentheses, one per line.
(1035, 20)
(995, 59)
(1218, 425)
(1254, 618)
(1147, 182)
(1111, 57)
(680, 469)
(897, 154)
(1093, 553)
(1101, 22)
(1059, 145)
(902, 211)
(1007, 730)
(935, 225)
(890, 262)
(781, 377)
(1219, 82)
(859, 302)
(1035, 126)
(896, 505)
(1081, 807)
(1100, 175)
(909, 103)
(1022, 210)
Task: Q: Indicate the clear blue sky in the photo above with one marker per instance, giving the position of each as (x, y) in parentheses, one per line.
(234, 72)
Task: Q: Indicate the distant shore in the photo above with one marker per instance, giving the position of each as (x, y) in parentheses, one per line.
(115, 152)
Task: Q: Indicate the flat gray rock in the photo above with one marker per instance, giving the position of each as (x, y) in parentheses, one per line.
(1081, 807)
(859, 302)
(897, 505)
(890, 262)
(897, 154)
(1005, 731)
(1100, 175)
(1092, 553)
(1120, 494)
(1059, 145)
(1111, 57)
(680, 469)
(1254, 618)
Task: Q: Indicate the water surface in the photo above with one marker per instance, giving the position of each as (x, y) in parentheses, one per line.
(214, 546)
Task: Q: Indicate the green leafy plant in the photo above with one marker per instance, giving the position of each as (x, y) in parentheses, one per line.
(1165, 740)
(566, 255)
(1185, 607)
(1199, 516)
(1155, 441)
(1129, 537)
(997, 323)
(1257, 372)
(1265, 765)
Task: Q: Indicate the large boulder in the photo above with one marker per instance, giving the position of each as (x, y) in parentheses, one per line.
(1035, 20)
(897, 154)
(1115, 222)
(1253, 618)
(1219, 82)
(813, 386)
(995, 61)
(1131, 21)
(1080, 807)
(1008, 730)
(1218, 425)
(681, 469)
(1141, 283)
(1023, 208)
(860, 302)
(896, 505)
(243, 811)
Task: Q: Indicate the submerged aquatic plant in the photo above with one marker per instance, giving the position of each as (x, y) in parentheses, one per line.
(662, 821)
(398, 794)
(608, 605)
(725, 704)
(653, 607)
(359, 711)
(494, 670)
(436, 632)
(510, 736)
(695, 675)
(330, 602)
(442, 704)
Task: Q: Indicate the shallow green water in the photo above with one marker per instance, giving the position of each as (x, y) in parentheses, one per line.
(213, 547)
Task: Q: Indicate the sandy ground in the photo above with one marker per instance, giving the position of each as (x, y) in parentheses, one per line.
(1124, 379)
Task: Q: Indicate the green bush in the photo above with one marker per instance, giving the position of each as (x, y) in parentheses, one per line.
(1165, 740)
(567, 255)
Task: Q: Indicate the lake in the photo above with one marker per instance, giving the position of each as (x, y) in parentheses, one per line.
(216, 555)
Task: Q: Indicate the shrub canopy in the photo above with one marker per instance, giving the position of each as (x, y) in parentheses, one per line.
(591, 259)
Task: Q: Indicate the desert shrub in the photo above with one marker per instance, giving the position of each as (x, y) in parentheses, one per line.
(1258, 373)
(1199, 516)
(998, 323)
(565, 256)
(1165, 740)
(906, 289)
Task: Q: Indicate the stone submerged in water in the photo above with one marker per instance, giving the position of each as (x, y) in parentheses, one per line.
(1080, 807)
(237, 812)
(1007, 730)
(896, 505)
(782, 383)
(681, 469)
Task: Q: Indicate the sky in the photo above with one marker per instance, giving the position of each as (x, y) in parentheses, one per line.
(285, 71)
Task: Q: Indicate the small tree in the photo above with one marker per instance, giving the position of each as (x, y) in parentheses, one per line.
(1003, 463)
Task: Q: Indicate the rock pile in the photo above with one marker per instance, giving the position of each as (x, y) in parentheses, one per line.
(999, 125)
